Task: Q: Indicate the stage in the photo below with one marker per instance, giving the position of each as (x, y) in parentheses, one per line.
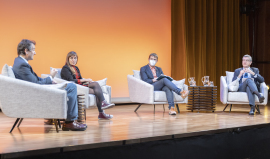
(126, 128)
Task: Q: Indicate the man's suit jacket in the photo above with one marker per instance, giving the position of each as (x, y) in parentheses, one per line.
(147, 75)
(257, 80)
(24, 71)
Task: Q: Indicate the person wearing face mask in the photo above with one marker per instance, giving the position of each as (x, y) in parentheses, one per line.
(71, 72)
(150, 73)
(249, 81)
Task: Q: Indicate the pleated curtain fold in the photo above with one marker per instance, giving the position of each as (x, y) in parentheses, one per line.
(209, 37)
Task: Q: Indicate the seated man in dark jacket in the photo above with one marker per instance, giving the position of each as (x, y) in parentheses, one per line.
(150, 73)
(249, 81)
(23, 71)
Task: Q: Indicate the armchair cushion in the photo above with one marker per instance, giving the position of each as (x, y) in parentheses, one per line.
(178, 98)
(180, 83)
(58, 75)
(137, 74)
(229, 76)
(240, 97)
(92, 100)
(233, 86)
(160, 96)
(102, 84)
(7, 71)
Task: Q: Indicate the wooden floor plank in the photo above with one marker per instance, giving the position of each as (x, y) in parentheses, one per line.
(126, 125)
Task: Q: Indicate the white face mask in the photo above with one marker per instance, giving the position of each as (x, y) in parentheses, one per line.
(152, 62)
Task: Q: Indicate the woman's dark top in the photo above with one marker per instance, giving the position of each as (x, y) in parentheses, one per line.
(67, 74)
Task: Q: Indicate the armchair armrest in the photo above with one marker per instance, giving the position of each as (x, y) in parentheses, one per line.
(80, 89)
(223, 90)
(58, 80)
(264, 91)
(185, 87)
(44, 75)
(109, 89)
(85, 91)
(22, 99)
(140, 91)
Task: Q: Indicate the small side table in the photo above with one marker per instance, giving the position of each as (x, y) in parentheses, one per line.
(202, 98)
(81, 108)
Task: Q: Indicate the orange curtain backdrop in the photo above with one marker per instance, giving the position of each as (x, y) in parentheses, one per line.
(215, 39)
(178, 40)
(111, 37)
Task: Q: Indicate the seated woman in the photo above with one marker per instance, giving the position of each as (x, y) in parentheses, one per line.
(70, 72)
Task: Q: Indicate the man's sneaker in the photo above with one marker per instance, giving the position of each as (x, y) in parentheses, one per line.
(106, 105)
(172, 112)
(103, 116)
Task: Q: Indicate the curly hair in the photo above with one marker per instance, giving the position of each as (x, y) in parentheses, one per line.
(24, 44)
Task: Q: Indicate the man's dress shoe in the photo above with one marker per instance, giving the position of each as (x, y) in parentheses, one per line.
(261, 99)
(74, 126)
(252, 110)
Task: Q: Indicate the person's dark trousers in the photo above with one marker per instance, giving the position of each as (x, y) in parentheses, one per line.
(251, 89)
(72, 112)
(167, 86)
(97, 91)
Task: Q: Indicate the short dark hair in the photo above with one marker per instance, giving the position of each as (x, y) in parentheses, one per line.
(153, 54)
(24, 44)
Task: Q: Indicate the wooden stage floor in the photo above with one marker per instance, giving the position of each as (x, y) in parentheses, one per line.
(126, 127)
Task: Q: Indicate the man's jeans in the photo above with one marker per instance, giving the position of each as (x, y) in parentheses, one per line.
(72, 112)
(167, 86)
(250, 87)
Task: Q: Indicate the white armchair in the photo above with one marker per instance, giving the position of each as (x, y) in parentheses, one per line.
(90, 101)
(21, 99)
(230, 98)
(143, 93)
